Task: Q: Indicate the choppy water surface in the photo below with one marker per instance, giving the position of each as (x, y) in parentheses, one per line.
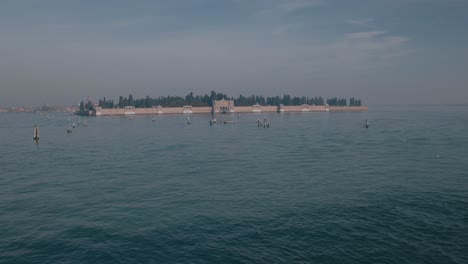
(314, 187)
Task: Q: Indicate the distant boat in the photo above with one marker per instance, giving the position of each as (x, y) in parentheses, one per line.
(36, 133)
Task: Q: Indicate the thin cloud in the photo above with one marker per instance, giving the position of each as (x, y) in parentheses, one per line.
(292, 6)
(284, 8)
(375, 38)
(365, 34)
(396, 40)
(366, 22)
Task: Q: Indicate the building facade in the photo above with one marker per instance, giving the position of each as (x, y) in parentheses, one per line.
(223, 106)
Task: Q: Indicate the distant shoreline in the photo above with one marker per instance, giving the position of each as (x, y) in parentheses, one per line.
(219, 107)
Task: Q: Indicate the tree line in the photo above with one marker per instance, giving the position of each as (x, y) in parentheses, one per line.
(207, 100)
(342, 102)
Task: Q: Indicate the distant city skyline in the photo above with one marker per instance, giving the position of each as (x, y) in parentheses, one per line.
(382, 51)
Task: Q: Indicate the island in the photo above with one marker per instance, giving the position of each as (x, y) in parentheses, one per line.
(215, 103)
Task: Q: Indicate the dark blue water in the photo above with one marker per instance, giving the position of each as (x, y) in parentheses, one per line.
(312, 188)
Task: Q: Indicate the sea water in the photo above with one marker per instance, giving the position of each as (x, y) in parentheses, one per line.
(311, 188)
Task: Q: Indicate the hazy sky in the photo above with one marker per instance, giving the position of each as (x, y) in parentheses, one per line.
(383, 51)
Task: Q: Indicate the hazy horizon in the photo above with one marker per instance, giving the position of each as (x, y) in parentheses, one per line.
(384, 52)
(116, 99)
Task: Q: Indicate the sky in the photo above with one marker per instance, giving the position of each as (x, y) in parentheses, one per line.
(383, 51)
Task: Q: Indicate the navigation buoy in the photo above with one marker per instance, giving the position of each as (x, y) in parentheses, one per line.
(367, 123)
(36, 133)
(188, 120)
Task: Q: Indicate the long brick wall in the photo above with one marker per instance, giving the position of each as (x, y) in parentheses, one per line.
(303, 108)
(252, 109)
(348, 108)
(237, 109)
